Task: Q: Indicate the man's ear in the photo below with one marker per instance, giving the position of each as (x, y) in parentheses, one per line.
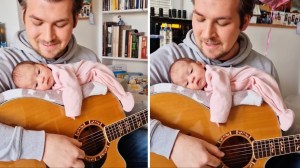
(23, 14)
(247, 19)
(76, 20)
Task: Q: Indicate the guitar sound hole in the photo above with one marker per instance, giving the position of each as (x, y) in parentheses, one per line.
(93, 140)
(238, 152)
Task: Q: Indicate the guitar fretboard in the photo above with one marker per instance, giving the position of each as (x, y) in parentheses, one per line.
(276, 146)
(127, 125)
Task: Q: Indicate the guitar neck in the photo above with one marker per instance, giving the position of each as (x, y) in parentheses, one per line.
(276, 146)
(127, 125)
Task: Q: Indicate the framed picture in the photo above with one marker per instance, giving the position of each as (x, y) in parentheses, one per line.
(86, 9)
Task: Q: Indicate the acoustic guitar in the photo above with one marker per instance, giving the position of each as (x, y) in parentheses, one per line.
(249, 137)
(99, 127)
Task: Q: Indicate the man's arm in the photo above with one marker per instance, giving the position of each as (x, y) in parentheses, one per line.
(17, 143)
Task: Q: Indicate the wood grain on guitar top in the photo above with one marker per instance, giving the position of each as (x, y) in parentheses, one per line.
(38, 114)
(180, 112)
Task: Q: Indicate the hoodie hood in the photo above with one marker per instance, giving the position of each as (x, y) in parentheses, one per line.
(21, 43)
(245, 50)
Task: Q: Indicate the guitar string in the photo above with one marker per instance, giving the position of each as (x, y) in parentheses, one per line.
(242, 144)
(114, 130)
(94, 142)
(96, 138)
(235, 159)
(226, 146)
(229, 158)
(264, 153)
(143, 118)
(91, 143)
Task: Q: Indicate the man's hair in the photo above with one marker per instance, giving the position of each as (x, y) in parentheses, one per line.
(17, 72)
(246, 8)
(77, 5)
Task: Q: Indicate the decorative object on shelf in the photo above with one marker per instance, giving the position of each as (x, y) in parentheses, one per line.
(276, 14)
(86, 9)
(3, 42)
(295, 6)
(121, 22)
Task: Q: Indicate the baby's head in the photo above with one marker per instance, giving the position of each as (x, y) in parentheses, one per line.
(188, 73)
(31, 75)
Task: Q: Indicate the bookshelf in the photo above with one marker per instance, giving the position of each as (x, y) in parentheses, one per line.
(138, 19)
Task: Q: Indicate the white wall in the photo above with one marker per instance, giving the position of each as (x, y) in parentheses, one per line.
(183, 5)
(283, 50)
(9, 14)
(86, 34)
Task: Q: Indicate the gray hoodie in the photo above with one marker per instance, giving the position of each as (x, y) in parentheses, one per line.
(16, 142)
(162, 138)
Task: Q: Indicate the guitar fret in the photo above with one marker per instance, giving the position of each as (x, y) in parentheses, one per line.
(256, 151)
(287, 144)
(272, 147)
(262, 149)
(126, 125)
(268, 152)
(281, 146)
(276, 142)
(296, 143)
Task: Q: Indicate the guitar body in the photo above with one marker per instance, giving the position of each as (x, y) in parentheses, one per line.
(180, 112)
(38, 114)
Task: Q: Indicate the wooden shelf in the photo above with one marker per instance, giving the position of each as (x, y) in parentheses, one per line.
(158, 19)
(125, 59)
(272, 25)
(126, 11)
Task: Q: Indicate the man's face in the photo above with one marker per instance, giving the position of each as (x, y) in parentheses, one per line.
(49, 26)
(216, 26)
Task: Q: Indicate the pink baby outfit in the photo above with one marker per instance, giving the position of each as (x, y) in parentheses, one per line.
(223, 81)
(70, 77)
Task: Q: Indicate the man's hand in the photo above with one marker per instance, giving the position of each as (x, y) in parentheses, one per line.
(62, 151)
(193, 152)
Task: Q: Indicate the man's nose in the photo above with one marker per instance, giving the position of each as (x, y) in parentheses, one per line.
(49, 34)
(209, 30)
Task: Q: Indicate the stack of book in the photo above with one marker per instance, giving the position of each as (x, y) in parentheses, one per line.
(111, 5)
(123, 41)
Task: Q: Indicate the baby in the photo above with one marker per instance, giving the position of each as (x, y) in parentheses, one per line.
(69, 78)
(221, 82)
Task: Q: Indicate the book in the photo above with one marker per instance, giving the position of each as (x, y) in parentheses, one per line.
(128, 41)
(107, 38)
(134, 45)
(115, 40)
(143, 50)
(122, 34)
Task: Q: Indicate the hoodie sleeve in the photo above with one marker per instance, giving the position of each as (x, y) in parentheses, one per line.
(17, 143)
(162, 138)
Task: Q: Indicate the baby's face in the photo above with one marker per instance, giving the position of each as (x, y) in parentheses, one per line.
(189, 75)
(38, 77)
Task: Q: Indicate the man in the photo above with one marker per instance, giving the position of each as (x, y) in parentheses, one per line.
(48, 39)
(216, 39)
